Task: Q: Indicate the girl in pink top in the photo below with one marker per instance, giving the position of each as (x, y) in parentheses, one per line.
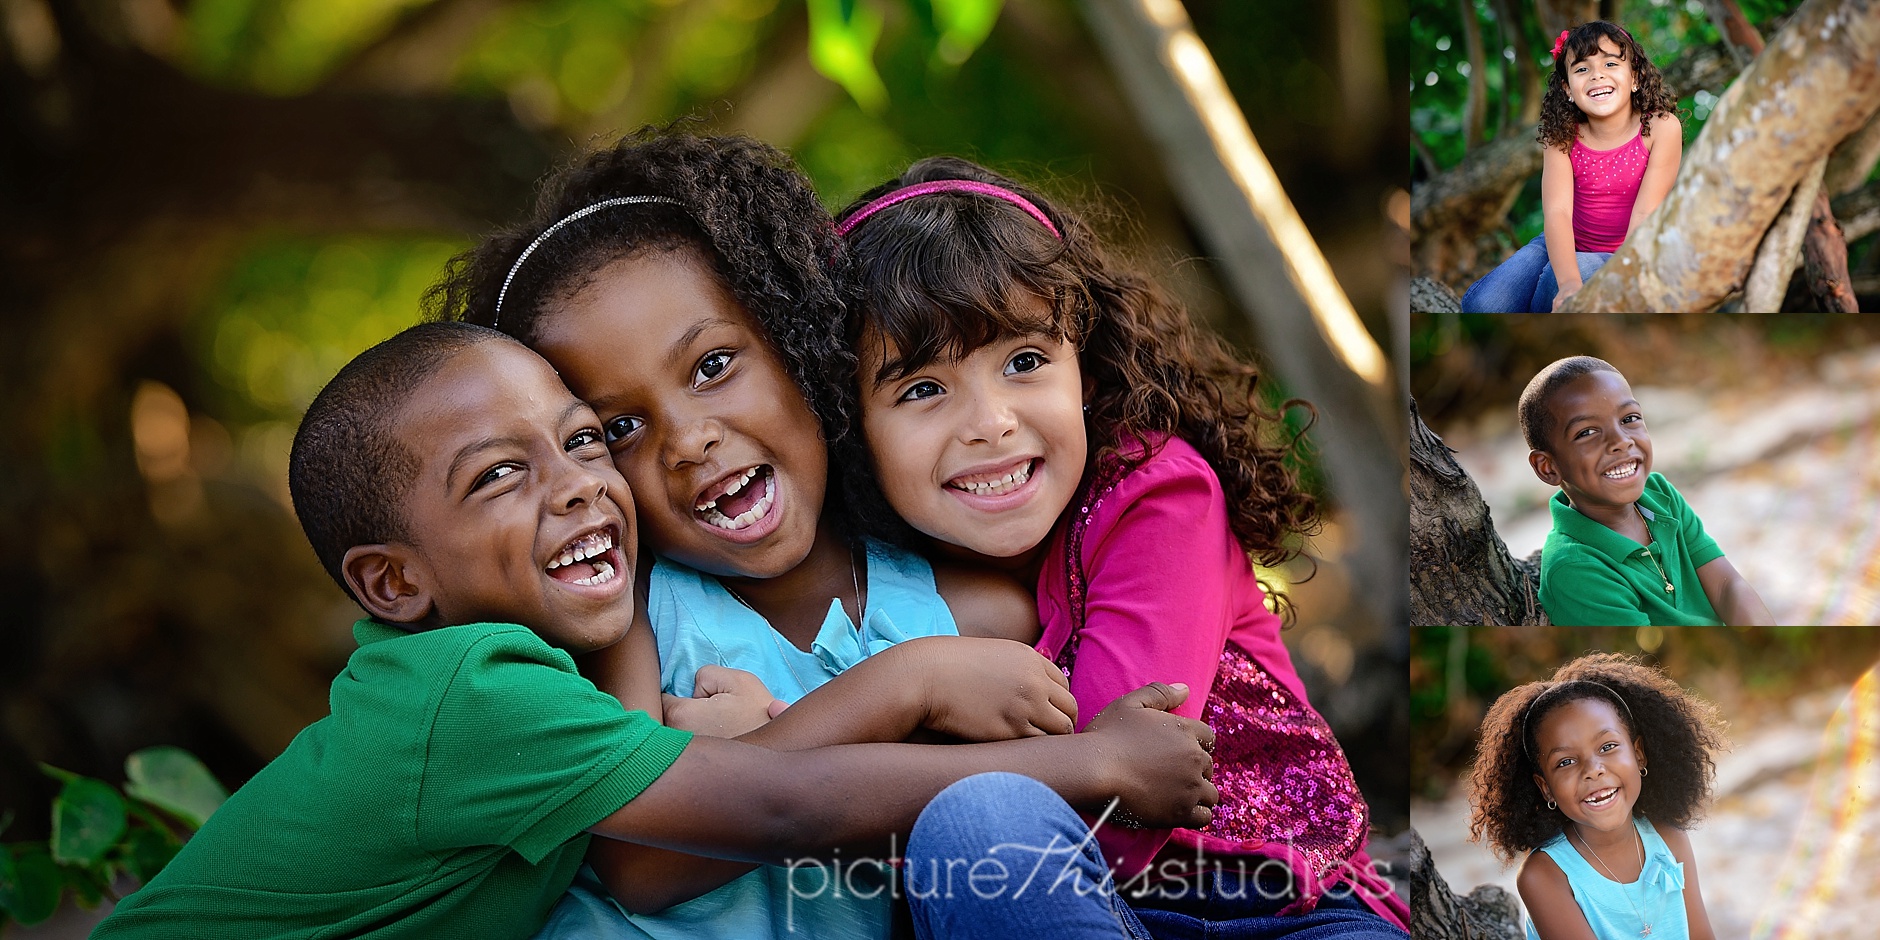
(1031, 404)
(1612, 141)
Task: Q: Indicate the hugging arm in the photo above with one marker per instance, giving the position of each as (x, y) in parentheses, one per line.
(1680, 846)
(1735, 602)
(988, 603)
(974, 689)
(1549, 900)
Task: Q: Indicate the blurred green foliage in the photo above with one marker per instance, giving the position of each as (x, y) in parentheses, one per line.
(99, 833)
(1457, 672)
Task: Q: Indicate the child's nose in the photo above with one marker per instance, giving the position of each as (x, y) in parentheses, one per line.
(991, 419)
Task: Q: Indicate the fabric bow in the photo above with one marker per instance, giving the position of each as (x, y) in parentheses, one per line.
(840, 645)
(1561, 42)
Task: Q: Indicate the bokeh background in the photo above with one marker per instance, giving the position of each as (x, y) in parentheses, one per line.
(1788, 783)
(1768, 425)
(207, 206)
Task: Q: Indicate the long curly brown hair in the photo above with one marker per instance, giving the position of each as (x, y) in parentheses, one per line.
(1561, 118)
(1678, 730)
(938, 278)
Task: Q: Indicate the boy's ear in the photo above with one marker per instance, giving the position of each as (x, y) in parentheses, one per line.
(1544, 467)
(389, 581)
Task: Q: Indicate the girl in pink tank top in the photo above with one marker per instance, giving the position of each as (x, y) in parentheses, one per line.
(1612, 139)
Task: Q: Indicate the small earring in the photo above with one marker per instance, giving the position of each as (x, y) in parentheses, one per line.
(1552, 805)
(1086, 409)
(1642, 771)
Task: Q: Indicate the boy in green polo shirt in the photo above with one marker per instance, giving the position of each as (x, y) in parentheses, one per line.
(1625, 548)
(454, 487)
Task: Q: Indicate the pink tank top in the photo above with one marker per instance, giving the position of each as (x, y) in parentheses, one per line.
(1605, 186)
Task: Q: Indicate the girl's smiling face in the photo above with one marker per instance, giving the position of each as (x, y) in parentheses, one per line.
(1602, 85)
(723, 454)
(1590, 763)
(982, 452)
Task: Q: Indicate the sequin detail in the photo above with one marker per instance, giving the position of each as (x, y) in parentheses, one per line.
(1283, 778)
(1605, 187)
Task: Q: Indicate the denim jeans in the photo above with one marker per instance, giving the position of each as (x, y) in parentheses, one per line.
(1525, 283)
(1000, 855)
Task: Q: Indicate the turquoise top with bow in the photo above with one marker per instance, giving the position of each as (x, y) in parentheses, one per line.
(697, 622)
(1651, 906)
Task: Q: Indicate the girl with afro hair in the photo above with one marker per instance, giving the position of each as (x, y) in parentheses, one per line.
(1612, 143)
(1595, 774)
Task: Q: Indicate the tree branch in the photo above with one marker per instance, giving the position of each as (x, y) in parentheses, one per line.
(1475, 109)
(1781, 248)
(1460, 569)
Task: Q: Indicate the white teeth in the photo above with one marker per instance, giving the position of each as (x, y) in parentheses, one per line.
(745, 518)
(596, 544)
(1622, 471)
(732, 490)
(1001, 485)
(603, 573)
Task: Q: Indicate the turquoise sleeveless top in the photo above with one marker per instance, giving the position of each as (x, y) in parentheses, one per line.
(697, 622)
(1621, 911)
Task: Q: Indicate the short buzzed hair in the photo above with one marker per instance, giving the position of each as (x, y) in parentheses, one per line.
(1537, 422)
(348, 473)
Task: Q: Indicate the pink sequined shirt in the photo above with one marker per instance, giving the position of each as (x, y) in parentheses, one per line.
(1605, 188)
(1166, 587)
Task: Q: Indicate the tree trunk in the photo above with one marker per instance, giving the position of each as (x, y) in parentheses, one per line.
(1824, 257)
(1781, 248)
(1859, 211)
(1475, 109)
(1436, 913)
(1527, 78)
(1744, 41)
(1813, 86)
(1854, 159)
(1557, 15)
(1460, 570)
(1450, 212)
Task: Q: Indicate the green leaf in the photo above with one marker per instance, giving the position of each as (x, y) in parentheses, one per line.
(30, 886)
(87, 884)
(964, 26)
(842, 37)
(146, 851)
(173, 780)
(87, 818)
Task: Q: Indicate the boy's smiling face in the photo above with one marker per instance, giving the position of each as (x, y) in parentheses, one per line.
(515, 512)
(1599, 450)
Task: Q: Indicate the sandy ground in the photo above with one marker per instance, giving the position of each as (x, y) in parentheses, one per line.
(1761, 790)
(1787, 483)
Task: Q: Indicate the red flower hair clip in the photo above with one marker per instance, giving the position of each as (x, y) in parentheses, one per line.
(1562, 41)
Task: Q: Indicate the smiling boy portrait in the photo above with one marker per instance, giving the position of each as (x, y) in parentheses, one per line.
(1625, 549)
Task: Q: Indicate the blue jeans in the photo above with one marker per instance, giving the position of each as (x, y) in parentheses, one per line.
(1525, 283)
(1000, 855)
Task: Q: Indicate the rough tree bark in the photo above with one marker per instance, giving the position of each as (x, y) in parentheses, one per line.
(1460, 570)
(1436, 913)
(1450, 212)
(1824, 260)
(1781, 247)
(1814, 85)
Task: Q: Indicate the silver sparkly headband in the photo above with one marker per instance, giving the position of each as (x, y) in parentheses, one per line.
(1630, 723)
(497, 317)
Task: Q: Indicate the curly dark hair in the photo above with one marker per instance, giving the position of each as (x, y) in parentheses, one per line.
(743, 207)
(938, 278)
(1677, 730)
(1561, 118)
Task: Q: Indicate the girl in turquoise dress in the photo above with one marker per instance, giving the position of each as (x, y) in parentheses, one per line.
(1595, 774)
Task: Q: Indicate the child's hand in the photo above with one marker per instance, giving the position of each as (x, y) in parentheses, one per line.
(984, 689)
(725, 703)
(1165, 762)
(1565, 292)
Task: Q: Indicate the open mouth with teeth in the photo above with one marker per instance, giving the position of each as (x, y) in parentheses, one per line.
(996, 483)
(589, 561)
(740, 500)
(1601, 798)
(1601, 93)
(1624, 471)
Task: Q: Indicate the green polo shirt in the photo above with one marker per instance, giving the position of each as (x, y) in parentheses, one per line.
(1592, 576)
(447, 795)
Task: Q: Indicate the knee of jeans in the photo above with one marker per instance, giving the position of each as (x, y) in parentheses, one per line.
(995, 804)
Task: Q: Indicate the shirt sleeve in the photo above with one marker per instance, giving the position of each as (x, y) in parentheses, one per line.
(1699, 547)
(524, 752)
(1157, 606)
(1589, 595)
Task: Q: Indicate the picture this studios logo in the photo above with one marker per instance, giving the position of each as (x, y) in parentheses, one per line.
(1017, 870)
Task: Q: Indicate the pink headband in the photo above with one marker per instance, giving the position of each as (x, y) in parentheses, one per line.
(945, 186)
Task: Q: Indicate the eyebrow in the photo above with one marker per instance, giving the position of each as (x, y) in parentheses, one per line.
(1564, 747)
(472, 449)
(692, 334)
(1628, 403)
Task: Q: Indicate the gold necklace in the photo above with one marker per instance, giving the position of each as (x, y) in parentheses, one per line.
(1615, 878)
(1651, 540)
